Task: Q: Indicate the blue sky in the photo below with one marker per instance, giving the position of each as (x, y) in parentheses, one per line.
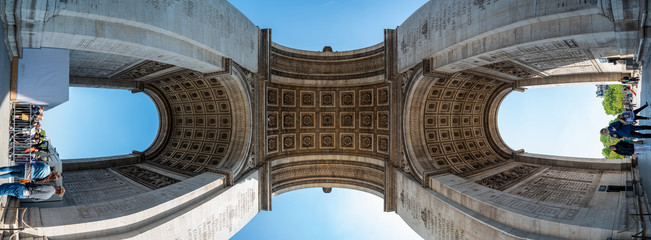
(98, 122)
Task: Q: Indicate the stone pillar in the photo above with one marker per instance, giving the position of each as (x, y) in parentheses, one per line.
(395, 121)
(261, 120)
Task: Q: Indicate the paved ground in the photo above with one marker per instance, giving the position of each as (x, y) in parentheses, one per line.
(5, 72)
(644, 160)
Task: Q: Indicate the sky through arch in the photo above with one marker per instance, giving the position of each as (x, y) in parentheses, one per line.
(101, 122)
(563, 121)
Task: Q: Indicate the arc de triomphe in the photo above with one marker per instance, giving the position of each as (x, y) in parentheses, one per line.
(411, 119)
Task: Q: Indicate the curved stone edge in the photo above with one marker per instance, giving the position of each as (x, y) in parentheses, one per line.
(81, 164)
(164, 121)
(413, 123)
(238, 84)
(373, 73)
(575, 162)
(364, 164)
(490, 121)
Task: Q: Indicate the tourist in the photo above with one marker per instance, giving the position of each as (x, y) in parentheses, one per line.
(37, 171)
(629, 80)
(626, 88)
(35, 192)
(631, 116)
(627, 149)
(621, 129)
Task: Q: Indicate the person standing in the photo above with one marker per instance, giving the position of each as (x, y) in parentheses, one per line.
(621, 129)
(37, 171)
(631, 116)
(627, 149)
(35, 192)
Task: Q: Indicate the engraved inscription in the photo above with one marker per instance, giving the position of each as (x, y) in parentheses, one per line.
(435, 223)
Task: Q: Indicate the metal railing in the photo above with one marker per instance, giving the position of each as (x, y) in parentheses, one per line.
(26, 143)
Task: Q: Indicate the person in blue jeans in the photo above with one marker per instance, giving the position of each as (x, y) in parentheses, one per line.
(39, 172)
(36, 192)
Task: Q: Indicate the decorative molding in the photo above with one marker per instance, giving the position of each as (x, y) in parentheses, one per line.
(570, 187)
(145, 177)
(142, 69)
(326, 120)
(510, 177)
(365, 175)
(327, 66)
(512, 69)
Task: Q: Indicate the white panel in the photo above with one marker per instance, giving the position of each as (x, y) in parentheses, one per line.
(43, 76)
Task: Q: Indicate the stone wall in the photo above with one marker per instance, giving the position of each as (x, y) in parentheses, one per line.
(558, 202)
(433, 216)
(544, 35)
(209, 32)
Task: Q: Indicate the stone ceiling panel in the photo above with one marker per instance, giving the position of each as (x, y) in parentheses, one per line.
(202, 123)
(327, 120)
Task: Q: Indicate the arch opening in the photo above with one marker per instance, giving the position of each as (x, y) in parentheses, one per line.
(102, 122)
(306, 212)
(563, 121)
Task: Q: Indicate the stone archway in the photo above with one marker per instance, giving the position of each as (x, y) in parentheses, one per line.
(411, 119)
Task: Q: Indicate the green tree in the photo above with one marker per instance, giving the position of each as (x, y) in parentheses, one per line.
(606, 140)
(613, 100)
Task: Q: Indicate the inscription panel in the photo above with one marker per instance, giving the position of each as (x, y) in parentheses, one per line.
(567, 213)
(567, 186)
(91, 186)
(220, 224)
(432, 218)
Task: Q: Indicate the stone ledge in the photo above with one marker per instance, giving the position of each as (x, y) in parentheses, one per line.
(80, 164)
(574, 162)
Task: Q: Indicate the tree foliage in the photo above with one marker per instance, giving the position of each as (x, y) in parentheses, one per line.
(613, 100)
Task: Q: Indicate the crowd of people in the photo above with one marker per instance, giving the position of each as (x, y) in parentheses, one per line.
(29, 149)
(626, 130)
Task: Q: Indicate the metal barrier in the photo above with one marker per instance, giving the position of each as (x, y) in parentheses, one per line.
(26, 143)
